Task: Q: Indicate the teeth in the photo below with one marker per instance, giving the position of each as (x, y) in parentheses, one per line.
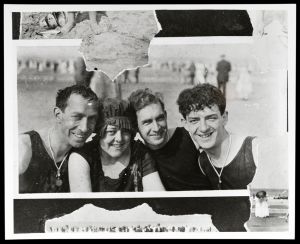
(205, 136)
(78, 136)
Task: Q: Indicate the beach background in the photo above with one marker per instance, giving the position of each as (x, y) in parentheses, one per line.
(264, 114)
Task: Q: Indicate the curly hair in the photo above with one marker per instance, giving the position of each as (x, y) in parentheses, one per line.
(64, 94)
(144, 97)
(199, 97)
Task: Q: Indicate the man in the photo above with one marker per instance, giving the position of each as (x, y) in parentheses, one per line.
(228, 160)
(43, 154)
(173, 149)
(223, 69)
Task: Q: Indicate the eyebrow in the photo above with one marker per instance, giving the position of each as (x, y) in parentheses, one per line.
(146, 120)
(197, 117)
(157, 117)
(76, 113)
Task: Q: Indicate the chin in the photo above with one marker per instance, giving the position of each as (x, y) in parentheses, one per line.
(206, 145)
(77, 144)
(156, 143)
(115, 154)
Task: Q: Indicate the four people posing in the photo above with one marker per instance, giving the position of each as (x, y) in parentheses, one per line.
(201, 155)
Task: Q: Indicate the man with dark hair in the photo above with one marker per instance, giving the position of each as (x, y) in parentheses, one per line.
(223, 69)
(227, 160)
(43, 153)
(203, 108)
(173, 149)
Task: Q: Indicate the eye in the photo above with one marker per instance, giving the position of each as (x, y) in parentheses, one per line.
(162, 118)
(212, 118)
(193, 121)
(76, 117)
(111, 132)
(147, 122)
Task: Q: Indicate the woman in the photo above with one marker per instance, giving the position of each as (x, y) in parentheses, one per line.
(113, 161)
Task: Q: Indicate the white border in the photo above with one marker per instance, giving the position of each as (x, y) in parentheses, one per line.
(11, 121)
(119, 7)
(162, 194)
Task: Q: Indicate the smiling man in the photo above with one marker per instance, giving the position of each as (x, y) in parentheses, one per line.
(43, 154)
(227, 160)
(173, 149)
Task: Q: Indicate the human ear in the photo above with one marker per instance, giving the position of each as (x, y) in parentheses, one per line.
(57, 114)
(184, 123)
(225, 117)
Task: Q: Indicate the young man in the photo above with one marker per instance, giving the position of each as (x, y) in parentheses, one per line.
(173, 149)
(228, 160)
(43, 154)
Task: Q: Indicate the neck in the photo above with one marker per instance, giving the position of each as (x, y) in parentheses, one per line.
(220, 151)
(58, 143)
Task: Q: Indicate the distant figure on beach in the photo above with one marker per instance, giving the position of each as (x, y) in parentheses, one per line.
(261, 205)
(223, 68)
(201, 73)
(244, 85)
(188, 74)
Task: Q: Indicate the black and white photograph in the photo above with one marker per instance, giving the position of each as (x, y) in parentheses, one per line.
(132, 119)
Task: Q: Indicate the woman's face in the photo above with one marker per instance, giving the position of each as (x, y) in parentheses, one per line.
(51, 21)
(116, 141)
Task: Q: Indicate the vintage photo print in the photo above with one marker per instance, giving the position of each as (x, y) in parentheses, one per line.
(169, 120)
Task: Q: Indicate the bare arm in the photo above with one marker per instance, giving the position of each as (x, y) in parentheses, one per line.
(79, 174)
(152, 182)
(25, 153)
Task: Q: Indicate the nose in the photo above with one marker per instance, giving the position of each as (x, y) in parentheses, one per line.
(203, 126)
(83, 126)
(155, 126)
(118, 136)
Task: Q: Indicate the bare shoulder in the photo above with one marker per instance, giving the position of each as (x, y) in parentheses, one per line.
(25, 152)
(77, 161)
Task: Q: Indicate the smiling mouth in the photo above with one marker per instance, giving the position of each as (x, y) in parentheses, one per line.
(81, 137)
(156, 136)
(206, 135)
(118, 146)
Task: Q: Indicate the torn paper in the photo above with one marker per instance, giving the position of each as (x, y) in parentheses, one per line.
(123, 46)
(270, 37)
(90, 218)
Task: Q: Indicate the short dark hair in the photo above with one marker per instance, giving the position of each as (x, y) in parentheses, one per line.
(200, 96)
(142, 98)
(64, 94)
